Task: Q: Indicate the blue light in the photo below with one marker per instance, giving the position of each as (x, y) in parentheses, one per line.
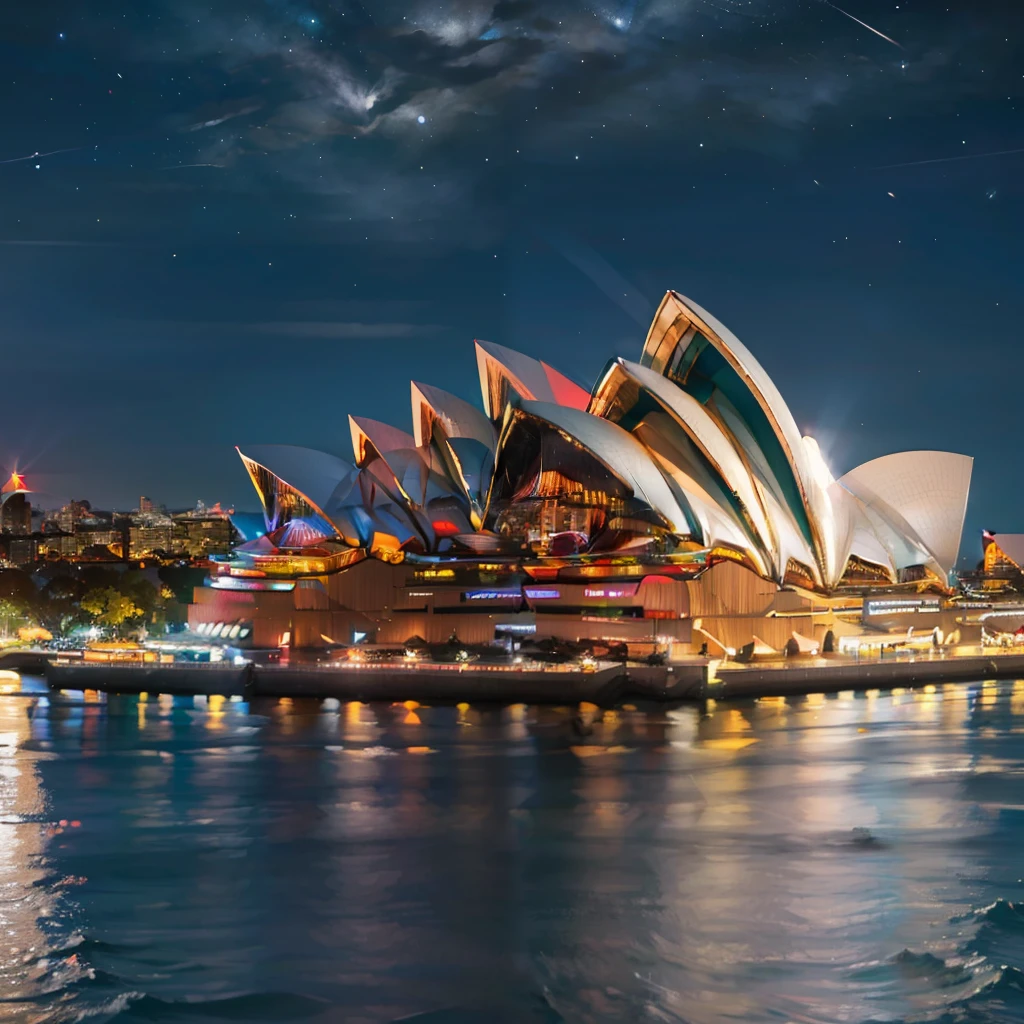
(421, 119)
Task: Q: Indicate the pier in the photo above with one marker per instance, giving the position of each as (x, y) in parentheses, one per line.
(695, 680)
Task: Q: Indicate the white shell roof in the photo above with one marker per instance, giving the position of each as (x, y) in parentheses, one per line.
(314, 474)
(709, 437)
(457, 417)
(927, 490)
(620, 452)
(530, 378)
(381, 436)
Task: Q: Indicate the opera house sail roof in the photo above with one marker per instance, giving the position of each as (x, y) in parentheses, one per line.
(687, 457)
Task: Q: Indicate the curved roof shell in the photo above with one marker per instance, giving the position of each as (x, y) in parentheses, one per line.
(692, 446)
(614, 448)
(922, 496)
(503, 370)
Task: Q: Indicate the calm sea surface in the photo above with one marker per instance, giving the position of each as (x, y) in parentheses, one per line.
(839, 859)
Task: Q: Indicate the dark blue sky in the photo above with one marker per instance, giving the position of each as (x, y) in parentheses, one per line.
(249, 231)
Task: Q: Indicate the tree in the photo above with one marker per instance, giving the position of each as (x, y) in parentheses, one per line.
(59, 608)
(16, 585)
(10, 611)
(182, 579)
(111, 608)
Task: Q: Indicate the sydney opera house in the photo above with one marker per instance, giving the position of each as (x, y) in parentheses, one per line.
(676, 502)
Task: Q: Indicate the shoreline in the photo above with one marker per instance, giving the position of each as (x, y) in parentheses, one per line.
(695, 681)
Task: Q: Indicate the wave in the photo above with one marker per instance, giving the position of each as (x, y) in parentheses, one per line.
(908, 965)
(1000, 1000)
(1002, 913)
(82, 945)
(252, 1006)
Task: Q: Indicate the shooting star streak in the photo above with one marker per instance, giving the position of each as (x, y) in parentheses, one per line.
(881, 35)
(949, 159)
(213, 122)
(39, 156)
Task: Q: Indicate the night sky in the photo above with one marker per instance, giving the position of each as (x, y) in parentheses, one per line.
(248, 219)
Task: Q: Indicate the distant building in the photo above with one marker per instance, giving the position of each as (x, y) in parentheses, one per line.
(1002, 564)
(72, 514)
(146, 504)
(16, 515)
(98, 539)
(149, 532)
(204, 531)
(22, 550)
(16, 521)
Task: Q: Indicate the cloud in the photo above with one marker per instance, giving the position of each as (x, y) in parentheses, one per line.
(340, 330)
(313, 330)
(53, 242)
(353, 103)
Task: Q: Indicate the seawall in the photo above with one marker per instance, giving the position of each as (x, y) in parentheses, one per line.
(689, 681)
(877, 675)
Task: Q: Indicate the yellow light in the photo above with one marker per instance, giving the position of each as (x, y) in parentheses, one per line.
(728, 743)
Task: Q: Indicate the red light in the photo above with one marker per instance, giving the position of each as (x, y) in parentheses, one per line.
(445, 527)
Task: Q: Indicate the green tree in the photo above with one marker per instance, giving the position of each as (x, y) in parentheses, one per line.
(182, 579)
(109, 607)
(11, 614)
(58, 604)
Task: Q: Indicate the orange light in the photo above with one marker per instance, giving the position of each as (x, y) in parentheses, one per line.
(16, 483)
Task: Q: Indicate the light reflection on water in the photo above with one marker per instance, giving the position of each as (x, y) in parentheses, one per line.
(815, 859)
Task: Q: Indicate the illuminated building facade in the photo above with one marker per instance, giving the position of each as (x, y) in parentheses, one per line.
(15, 510)
(19, 546)
(203, 532)
(1001, 570)
(586, 513)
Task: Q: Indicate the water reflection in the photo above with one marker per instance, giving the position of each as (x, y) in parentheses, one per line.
(810, 859)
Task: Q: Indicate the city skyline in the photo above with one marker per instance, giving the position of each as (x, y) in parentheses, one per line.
(222, 229)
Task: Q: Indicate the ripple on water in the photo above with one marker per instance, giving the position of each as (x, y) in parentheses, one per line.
(689, 878)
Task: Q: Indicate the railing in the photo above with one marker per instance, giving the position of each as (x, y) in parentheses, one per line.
(852, 661)
(341, 666)
(137, 663)
(364, 666)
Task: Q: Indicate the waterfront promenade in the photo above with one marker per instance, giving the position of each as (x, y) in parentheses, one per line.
(696, 679)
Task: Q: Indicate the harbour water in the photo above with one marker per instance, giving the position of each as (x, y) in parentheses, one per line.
(821, 859)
